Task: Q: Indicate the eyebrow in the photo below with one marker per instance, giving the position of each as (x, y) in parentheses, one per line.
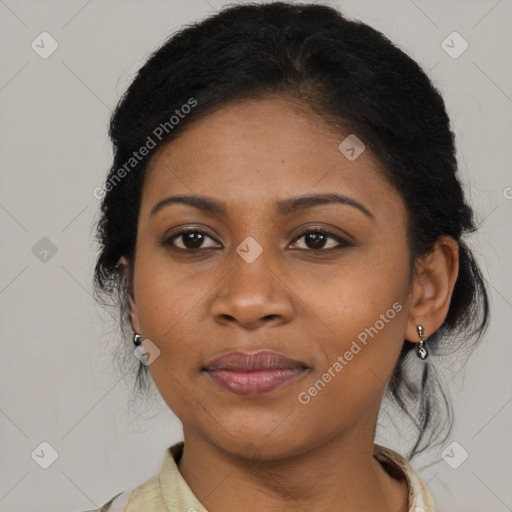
(283, 207)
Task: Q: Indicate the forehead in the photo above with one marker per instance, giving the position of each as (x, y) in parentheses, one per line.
(253, 152)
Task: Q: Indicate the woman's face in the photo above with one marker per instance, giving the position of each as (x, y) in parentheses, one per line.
(255, 282)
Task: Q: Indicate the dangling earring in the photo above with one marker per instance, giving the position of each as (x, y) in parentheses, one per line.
(421, 351)
(137, 339)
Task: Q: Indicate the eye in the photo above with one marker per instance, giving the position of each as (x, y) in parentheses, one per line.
(316, 239)
(191, 239)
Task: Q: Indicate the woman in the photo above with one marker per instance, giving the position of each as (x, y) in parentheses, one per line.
(283, 225)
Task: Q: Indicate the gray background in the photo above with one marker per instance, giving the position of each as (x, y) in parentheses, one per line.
(59, 383)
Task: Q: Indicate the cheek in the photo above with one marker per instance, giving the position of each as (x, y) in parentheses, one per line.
(165, 296)
(357, 294)
(362, 315)
(351, 381)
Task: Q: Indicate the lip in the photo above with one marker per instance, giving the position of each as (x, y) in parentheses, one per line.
(253, 374)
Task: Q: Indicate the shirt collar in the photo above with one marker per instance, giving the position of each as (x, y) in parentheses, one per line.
(177, 495)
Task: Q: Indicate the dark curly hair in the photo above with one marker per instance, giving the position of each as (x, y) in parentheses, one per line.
(357, 79)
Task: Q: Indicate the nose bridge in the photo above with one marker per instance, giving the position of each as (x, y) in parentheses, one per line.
(251, 275)
(251, 292)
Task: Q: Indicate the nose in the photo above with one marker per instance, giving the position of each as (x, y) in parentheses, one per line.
(252, 295)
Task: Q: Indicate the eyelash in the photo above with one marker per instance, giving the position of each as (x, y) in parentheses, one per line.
(342, 242)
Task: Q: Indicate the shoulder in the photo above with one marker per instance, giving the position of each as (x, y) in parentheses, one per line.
(116, 504)
(149, 496)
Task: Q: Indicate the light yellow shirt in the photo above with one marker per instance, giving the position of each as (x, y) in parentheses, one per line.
(168, 491)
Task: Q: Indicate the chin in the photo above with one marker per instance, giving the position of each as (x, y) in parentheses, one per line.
(262, 444)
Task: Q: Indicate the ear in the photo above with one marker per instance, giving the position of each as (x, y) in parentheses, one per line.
(134, 317)
(433, 288)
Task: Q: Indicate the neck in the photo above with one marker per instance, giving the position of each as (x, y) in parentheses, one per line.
(340, 474)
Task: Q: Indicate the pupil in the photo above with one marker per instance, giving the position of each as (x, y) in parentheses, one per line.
(193, 240)
(317, 239)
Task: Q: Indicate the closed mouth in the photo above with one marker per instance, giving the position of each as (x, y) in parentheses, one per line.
(253, 374)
